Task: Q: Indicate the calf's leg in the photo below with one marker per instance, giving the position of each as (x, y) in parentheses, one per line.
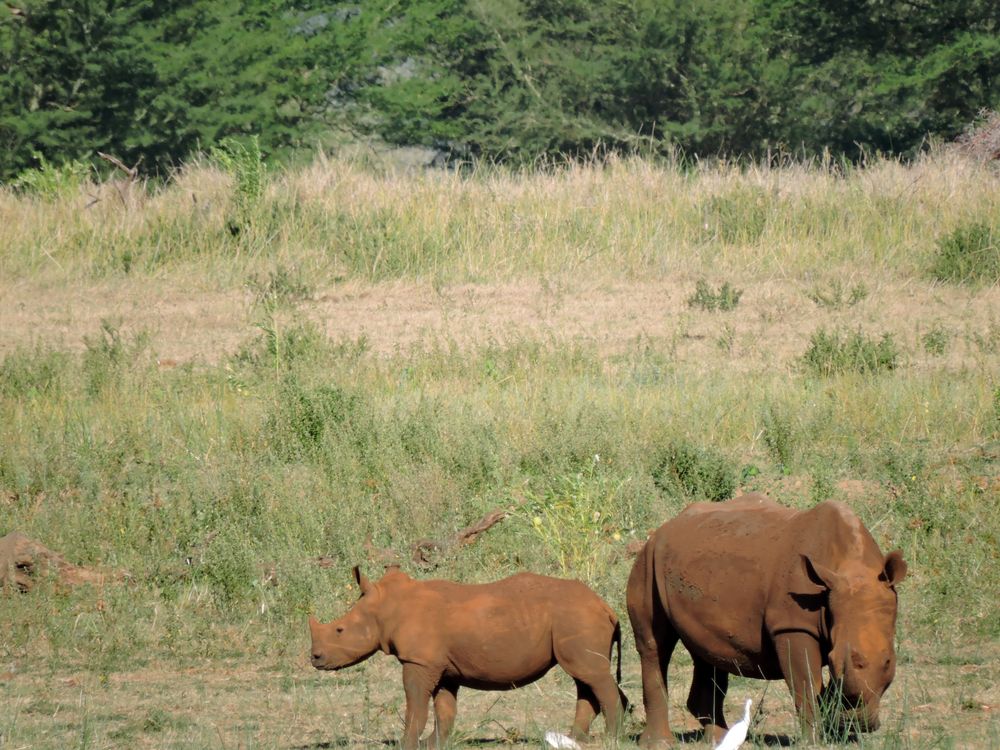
(445, 708)
(418, 684)
(596, 688)
(587, 707)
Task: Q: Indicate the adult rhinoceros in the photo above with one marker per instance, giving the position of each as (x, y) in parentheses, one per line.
(756, 589)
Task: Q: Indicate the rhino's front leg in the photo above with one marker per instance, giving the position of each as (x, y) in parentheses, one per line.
(418, 684)
(802, 667)
(445, 708)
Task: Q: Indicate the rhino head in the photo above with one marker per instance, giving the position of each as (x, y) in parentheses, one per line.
(352, 638)
(861, 623)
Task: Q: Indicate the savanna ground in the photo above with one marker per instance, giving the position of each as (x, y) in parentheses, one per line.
(236, 386)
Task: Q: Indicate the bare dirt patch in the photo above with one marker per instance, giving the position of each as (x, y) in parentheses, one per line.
(245, 703)
(769, 328)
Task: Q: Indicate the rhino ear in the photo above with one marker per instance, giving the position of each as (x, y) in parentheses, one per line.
(895, 568)
(313, 623)
(364, 585)
(820, 574)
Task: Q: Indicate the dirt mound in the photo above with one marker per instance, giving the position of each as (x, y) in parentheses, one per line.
(23, 562)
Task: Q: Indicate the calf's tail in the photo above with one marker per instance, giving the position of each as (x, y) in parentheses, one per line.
(616, 639)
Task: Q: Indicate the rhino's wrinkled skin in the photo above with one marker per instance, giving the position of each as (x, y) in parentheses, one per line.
(755, 589)
(493, 636)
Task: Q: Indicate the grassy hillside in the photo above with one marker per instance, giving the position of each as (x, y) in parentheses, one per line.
(237, 486)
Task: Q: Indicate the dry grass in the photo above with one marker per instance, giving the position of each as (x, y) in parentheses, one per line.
(625, 219)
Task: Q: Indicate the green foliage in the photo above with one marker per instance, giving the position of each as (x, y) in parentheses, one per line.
(781, 434)
(936, 340)
(576, 519)
(833, 295)
(152, 82)
(738, 216)
(516, 80)
(242, 160)
(27, 373)
(695, 472)
(49, 181)
(839, 352)
(969, 254)
(725, 299)
(109, 354)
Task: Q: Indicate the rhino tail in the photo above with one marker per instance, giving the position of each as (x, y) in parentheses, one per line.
(616, 639)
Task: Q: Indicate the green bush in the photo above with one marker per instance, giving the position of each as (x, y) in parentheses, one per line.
(739, 216)
(837, 352)
(725, 299)
(27, 372)
(835, 297)
(936, 340)
(242, 160)
(695, 472)
(968, 255)
(49, 181)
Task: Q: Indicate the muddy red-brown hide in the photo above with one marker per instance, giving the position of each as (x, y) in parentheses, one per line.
(493, 636)
(759, 590)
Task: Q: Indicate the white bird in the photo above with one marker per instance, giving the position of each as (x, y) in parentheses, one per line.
(561, 741)
(737, 732)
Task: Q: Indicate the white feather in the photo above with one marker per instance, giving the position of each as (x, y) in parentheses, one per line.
(561, 741)
(737, 732)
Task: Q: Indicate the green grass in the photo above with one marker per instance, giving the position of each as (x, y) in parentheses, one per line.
(218, 485)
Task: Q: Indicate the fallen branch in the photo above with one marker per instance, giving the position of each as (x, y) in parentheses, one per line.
(425, 552)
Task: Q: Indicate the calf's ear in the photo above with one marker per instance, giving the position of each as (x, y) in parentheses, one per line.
(895, 568)
(820, 574)
(364, 585)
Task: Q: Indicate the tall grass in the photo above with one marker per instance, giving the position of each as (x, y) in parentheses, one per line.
(218, 488)
(238, 494)
(625, 218)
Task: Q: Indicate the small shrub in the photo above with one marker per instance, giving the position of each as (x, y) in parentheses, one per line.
(243, 160)
(698, 473)
(833, 295)
(108, 354)
(968, 255)
(936, 340)
(780, 434)
(725, 299)
(280, 287)
(836, 352)
(303, 416)
(739, 216)
(25, 372)
(278, 348)
(576, 517)
(49, 181)
(727, 339)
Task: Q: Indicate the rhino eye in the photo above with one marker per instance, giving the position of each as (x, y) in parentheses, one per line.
(340, 628)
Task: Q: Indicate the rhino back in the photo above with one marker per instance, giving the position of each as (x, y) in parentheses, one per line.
(493, 635)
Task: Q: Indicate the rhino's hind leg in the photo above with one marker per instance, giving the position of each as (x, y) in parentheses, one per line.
(587, 707)
(596, 688)
(707, 696)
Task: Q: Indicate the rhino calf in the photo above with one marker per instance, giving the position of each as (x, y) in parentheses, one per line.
(492, 636)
